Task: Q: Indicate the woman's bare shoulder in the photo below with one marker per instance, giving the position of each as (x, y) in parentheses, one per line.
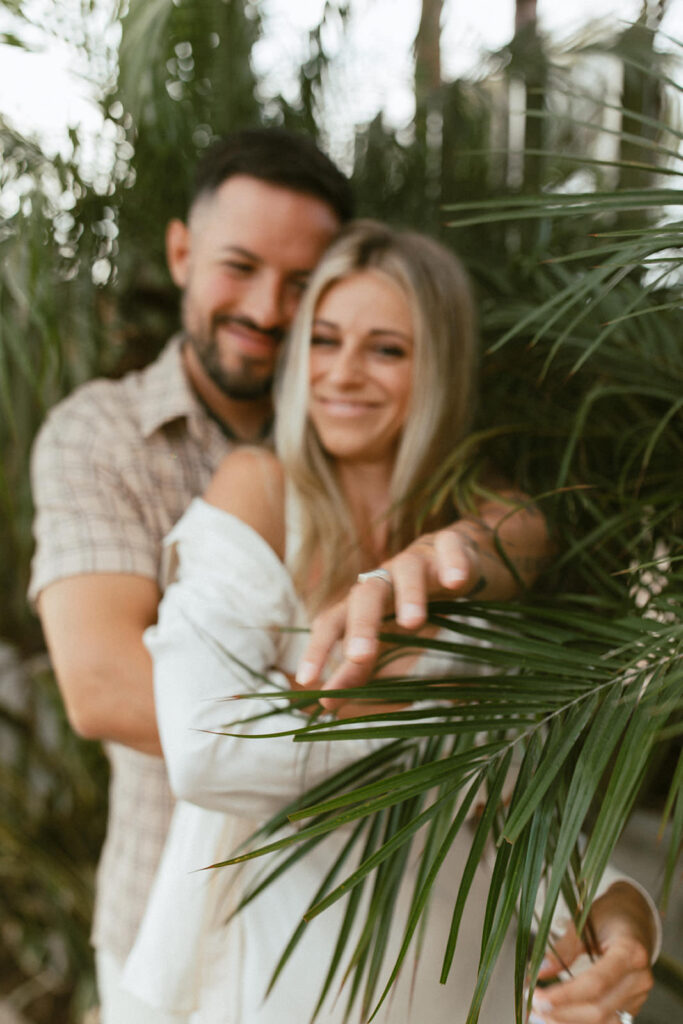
(250, 484)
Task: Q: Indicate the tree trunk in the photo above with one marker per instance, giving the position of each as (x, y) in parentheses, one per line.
(525, 12)
(642, 102)
(428, 115)
(428, 52)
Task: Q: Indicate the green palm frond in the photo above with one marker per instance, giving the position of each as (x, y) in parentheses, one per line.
(582, 384)
(578, 274)
(580, 703)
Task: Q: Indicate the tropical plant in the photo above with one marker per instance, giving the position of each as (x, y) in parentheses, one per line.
(574, 248)
(582, 395)
(84, 291)
(52, 817)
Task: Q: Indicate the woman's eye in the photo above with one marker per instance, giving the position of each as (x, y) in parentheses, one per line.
(391, 351)
(322, 339)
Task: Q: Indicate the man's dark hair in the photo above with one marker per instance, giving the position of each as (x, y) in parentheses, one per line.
(277, 157)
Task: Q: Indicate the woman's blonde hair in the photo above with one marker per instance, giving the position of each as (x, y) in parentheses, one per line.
(441, 406)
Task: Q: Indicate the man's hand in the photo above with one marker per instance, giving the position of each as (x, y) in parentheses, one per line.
(619, 979)
(462, 560)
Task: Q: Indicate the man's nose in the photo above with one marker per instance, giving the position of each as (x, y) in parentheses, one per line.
(265, 303)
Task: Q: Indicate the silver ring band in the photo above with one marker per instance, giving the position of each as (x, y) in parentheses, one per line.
(625, 1017)
(376, 574)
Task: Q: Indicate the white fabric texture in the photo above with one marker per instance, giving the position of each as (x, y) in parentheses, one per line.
(117, 1006)
(233, 594)
(233, 605)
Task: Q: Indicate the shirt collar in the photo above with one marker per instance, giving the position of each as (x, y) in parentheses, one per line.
(166, 393)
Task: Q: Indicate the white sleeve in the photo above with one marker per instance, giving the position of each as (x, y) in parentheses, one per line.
(611, 875)
(231, 594)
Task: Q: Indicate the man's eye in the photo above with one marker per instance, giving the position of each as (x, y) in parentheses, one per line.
(237, 267)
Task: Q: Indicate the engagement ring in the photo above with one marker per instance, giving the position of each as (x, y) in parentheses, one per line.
(379, 574)
(625, 1017)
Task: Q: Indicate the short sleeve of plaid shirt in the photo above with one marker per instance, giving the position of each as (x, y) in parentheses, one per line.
(89, 516)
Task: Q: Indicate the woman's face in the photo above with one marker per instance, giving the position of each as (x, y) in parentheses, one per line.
(361, 367)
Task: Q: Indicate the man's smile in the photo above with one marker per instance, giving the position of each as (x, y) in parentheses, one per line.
(251, 339)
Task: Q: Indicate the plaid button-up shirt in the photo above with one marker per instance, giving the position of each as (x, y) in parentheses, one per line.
(113, 468)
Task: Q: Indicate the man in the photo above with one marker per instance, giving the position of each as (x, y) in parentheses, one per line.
(118, 462)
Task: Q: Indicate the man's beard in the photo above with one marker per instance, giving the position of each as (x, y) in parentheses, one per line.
(244, 384)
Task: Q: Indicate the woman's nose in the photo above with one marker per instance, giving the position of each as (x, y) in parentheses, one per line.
(346, 366)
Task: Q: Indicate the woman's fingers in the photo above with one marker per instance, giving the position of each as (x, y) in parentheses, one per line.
(326, 629)
(454, 555)
(618, 979)
(565, 951)
(356, 622)
(433, 564)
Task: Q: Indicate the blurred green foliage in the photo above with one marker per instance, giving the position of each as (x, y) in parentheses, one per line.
(573, 242)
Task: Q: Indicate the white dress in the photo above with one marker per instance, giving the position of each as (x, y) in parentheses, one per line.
(231, 593)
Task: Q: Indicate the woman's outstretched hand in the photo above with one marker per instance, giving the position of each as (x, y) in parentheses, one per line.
(464, 559)
(446, 563)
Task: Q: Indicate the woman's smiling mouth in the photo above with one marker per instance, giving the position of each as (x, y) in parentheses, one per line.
(345, 406)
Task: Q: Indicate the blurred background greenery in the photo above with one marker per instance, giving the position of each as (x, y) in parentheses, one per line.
(554, 171)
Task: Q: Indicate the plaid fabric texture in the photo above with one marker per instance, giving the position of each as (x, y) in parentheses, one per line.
(113, 468)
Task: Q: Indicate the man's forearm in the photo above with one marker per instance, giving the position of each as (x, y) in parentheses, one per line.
(115, 703)
(93, 626)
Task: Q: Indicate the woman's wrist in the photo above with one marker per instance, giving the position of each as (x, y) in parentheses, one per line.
(628, 907)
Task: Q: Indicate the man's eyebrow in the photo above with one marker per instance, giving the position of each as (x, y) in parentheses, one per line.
(246, 254)
(237, 250)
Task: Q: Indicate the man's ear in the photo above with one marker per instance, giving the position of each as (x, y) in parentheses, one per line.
(178, 251)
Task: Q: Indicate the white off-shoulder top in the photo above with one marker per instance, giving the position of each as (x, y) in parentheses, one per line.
(226, 619)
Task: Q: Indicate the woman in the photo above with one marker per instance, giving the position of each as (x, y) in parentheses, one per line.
(377, 389)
